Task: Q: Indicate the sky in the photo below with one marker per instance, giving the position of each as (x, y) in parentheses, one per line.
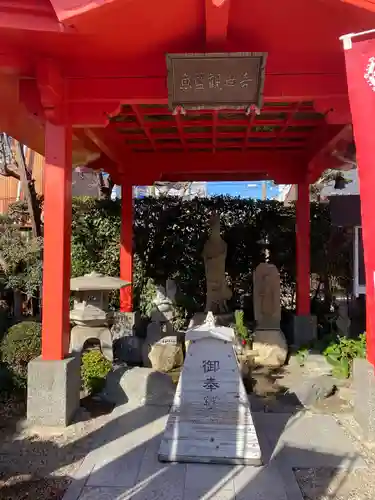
(245, 189)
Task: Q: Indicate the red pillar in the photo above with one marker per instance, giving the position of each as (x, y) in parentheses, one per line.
(126, 249)
(303, 248)
(360, 68)
(57, 233)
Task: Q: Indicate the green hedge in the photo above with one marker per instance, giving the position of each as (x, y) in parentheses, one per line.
(21, 344)
(169, 235)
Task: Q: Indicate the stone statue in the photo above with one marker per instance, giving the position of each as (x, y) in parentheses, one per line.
(269, 342)
(267, 307)
(214, 255)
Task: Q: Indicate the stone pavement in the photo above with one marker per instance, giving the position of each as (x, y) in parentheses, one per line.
(123, 463)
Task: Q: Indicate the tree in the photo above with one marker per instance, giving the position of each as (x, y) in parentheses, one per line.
(170, 188)
(13, 164)
(346, 159)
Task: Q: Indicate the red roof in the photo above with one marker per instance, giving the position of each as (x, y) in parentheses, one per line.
(101, 65)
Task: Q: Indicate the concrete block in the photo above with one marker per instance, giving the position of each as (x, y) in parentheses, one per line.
(364, 399)
(304, 329)
(53, 391)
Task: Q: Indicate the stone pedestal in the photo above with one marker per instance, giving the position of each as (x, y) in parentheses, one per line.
(53, 391)
(304, 330)
(270, 348)
(210, 419)
(364, 402)
(138, 386)
(127, 347)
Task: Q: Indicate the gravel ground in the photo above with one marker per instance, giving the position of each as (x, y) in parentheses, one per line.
(334, 484)
(35, 465)
(341, 484)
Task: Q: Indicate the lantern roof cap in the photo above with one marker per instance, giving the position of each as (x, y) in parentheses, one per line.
(97, 281)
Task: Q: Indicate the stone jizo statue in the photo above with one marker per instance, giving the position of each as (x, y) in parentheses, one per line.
(214, 255)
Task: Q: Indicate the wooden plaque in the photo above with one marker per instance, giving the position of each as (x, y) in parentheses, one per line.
(214, 81)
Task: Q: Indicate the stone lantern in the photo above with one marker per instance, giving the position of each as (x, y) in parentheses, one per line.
(90, 312)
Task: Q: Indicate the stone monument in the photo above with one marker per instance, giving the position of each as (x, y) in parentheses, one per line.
(164, 302)
(90, 312)
(269, 341)
(214, 256)
(163, 355)
(210, 419)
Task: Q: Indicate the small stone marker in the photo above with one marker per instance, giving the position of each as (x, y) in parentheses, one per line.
(210, 419)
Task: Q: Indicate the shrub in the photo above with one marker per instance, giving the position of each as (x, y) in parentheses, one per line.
(340, 354)
(94, 369)
(240, 328)
(21, 344)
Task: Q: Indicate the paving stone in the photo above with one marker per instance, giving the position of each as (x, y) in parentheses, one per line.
(104, 494)
(126, 466)
(309, 440)
(118, 471)
(204, 477)
(150, 464)
(259, 483)
(167, 484)
(210, 495)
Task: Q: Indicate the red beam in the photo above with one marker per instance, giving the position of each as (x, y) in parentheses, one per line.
(217, 18)
(276, 163)
(206, 121)
(153, 90)
(30, 16)
(71, 9)
(126, 247)
(336, 109)
(221, 146)
(303, 248)
(268, 108)
(362, 4)
(108, 143)
(57, 232)
(323, 158)
(212, 177)
(208, 135)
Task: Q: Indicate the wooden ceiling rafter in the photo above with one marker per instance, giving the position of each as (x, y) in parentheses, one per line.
(139, 117)
(154, 128)
(181, 133)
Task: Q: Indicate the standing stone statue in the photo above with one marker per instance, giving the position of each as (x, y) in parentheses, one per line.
(214, 255)
(267, 306)
(269, 341)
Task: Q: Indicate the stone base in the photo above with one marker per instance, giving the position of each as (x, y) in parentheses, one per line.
(138, 386)
(304, 330)
(364, 402)
(127, 347)
(270, 348)
(53, 391)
